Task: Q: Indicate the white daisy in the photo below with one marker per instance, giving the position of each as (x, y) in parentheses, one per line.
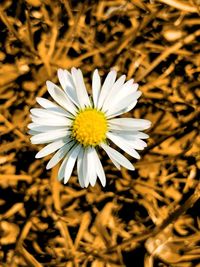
(76, 126)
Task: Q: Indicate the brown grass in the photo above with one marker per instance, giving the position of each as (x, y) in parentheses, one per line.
(149, 217)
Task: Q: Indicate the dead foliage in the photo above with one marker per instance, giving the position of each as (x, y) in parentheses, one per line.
(149, 217)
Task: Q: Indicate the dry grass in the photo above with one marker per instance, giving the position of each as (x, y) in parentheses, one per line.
(144, 218)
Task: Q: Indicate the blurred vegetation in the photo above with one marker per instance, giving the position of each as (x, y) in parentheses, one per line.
(149, 217)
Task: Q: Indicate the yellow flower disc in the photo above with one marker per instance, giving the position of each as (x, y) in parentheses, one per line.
(89, 127)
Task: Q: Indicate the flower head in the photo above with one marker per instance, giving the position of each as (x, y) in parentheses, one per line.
(75, 126)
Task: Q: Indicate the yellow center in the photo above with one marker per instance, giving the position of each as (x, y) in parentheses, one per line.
(89, 127)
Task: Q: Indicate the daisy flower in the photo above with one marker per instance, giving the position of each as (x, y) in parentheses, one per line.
(75, 126)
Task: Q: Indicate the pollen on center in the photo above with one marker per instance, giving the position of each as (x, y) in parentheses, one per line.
(89, 127)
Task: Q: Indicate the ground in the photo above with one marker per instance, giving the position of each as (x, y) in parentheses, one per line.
(149, 217)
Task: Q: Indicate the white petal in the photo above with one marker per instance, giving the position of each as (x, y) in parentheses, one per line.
(131, 106)
(43, 128)
(91, 166)
(47, 104)
(81, 91)
(40, 112)
(108, 83)
(64, 80)
(43, 138)
(117, 165)
(60, 97)
(129, 84)
(123, 145)
(118, 157)
(134, 143)
(59, 155)
(61, 171)
(137, 144)
(71, 92)
(80, 168)
(73, 154)
(131, 135)
(52, 121)
(113, 92)
(50, 148)
(122, 111)
(58, 111)
(68, 85)
(96, 86)
(99, 168)
(128, 89)
(85, 168)
(122, 103)
(129, 124)
(32, 132)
